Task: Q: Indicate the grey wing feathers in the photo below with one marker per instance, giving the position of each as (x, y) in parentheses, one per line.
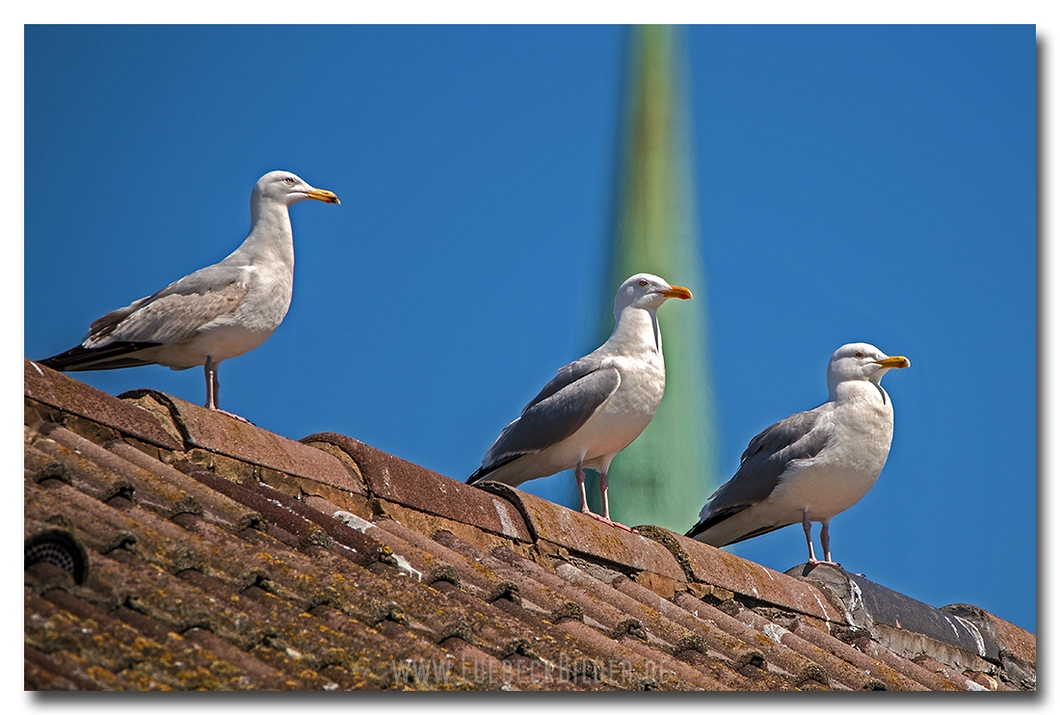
(565, 376)
(800, 436)
(125, 337)
(174, 313)
(558, 411)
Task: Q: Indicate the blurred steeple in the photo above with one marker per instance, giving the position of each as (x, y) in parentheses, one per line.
(665, 476)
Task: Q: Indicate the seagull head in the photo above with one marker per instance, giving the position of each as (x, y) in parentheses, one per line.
(285, 187)
(861, 361)
(647, 291)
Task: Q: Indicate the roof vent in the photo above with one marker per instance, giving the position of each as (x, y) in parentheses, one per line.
(61, 549)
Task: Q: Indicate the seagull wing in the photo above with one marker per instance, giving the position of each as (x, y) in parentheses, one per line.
(798, 437)
(562, 407)
(172, 315)
(176, 312)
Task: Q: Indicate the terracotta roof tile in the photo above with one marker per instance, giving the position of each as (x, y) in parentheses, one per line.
(710, 565)
(835, 660)
(171, 548)
(74, 398)
(396, 480)
(797, 669)
(580, 534)
(216, 433)
(749, 670)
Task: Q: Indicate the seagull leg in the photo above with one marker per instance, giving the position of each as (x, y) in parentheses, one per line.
(579, 474)
(211, 383)
(213, 387)
(826, 544)
(812, 561)
(607, 511)
(603, 493)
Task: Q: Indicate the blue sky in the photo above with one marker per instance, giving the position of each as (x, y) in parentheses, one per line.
(870, 183)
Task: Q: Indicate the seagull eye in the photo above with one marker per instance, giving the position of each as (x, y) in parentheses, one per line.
(642, 282)
(289, 181)
(859, 354)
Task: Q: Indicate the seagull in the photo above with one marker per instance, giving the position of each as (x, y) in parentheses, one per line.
(595, 406)
(814, 464)
(215, 313)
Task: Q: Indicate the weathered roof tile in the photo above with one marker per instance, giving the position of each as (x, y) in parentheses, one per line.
(710, 565)
(168, 547)
(218, 433)
(584, 535)
(402, 482)
(1016, 647)
(73, 397)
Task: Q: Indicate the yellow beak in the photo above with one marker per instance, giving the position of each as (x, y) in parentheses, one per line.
(323, 195)
(677, 292)
(898, 361)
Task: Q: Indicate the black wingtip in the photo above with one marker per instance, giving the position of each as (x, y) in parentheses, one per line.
(717, 519)
(484, 471)
(115, 355)
(63, 360)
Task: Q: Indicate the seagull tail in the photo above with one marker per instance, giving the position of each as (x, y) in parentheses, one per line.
(696, 530)
(109, 357)
(479, 474)
(725, 535)
(708, 519)
(489, 472)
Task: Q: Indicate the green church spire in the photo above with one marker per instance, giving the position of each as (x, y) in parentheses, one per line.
(665, 476)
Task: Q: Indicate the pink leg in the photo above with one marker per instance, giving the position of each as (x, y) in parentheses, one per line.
(211, 383)
(579, 474)
(812, 560)
(607, 511)
(825, 543)
(603, 494)
(213, 387)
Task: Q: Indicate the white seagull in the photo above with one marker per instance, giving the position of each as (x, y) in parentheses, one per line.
(595, 406)
(814, 464)
(215, 313)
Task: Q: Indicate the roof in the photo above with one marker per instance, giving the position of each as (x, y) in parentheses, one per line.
(170, 547)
